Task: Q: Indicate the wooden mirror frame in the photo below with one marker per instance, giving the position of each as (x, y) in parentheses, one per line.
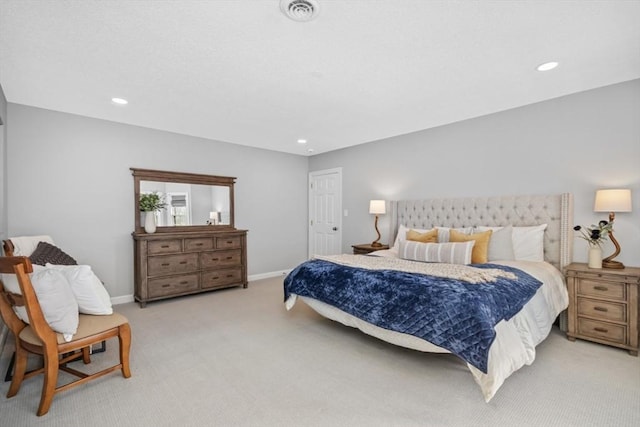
(182, 178)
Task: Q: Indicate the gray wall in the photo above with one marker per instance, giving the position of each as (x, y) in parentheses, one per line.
(3, 165)
(69, 177)
(577, 144)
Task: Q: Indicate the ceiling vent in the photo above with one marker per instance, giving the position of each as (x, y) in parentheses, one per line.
(300, 10)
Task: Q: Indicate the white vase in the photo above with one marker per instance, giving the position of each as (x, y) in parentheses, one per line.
(595, 256)
(150, 222)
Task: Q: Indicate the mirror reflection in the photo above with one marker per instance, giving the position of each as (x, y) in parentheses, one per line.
(190, 204)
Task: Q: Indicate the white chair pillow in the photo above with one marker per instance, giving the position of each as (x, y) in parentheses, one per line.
(90, 293)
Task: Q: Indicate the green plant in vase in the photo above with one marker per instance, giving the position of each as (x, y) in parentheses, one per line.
(150, 203)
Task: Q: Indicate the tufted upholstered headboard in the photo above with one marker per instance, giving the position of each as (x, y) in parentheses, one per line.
(554, 210)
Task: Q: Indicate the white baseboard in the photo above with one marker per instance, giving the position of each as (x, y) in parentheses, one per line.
(129, 298)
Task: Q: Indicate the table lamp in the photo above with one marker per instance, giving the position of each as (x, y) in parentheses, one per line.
(377, 207)
(612, 201)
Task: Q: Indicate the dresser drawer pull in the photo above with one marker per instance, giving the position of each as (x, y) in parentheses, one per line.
(166, 264)
(166, 286)
(600, 288)
(215, 278)
(199, 244)
(601, 309)
(183, 262)
(229, 275)
(214, 259)
(164, 246)
(184, 282)
(603, 330)
(230, 242)
(229, 257)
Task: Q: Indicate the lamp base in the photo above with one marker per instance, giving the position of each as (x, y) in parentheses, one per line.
(612, 264)
(376, 244)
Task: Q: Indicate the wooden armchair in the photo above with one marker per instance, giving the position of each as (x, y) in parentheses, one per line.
(39, 338)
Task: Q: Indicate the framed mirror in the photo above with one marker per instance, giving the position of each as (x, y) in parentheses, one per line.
(192, 202)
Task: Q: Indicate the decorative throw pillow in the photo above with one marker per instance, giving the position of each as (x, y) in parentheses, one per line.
(90, 293)
(430, 236)
(48, 253)
(443, 232)
(451, 253)
(480, 249)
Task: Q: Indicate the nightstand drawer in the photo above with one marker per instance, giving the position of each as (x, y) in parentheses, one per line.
(602, 330)
(602, 310)
(601, 289)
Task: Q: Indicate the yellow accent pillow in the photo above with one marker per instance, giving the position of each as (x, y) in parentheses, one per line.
(430, 236)
(480, 248)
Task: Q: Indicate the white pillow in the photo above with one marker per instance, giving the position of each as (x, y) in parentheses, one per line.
(25, 245)
(528, 242)
(90, 293)
(501, 245)
(450, 252)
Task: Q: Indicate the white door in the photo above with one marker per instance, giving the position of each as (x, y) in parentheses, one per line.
(325, 207)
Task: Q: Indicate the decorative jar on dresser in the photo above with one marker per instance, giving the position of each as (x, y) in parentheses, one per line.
(196, 247)
(603, 305)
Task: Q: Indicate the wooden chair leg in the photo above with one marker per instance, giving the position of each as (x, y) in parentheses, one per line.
(50, 381)
(20, 368)
(124, 337)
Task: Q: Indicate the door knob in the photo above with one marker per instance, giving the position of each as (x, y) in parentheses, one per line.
(335, 228)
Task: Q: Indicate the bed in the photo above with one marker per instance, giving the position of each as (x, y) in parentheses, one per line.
(497, 312)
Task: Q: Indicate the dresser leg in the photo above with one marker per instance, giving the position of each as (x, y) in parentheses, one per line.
(571, 338)
(633, 352)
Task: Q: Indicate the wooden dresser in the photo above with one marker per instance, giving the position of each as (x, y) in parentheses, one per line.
(603, 305)
(182, 263)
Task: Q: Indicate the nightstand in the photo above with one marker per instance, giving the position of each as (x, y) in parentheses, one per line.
(603, 305)
(366, 248)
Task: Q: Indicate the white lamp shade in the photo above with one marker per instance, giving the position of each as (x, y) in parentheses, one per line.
(377, 207)
(613, 200)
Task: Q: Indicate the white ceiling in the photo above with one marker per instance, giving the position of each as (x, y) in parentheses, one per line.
(240, 71)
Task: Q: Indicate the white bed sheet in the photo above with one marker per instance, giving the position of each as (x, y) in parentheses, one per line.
(516, 338)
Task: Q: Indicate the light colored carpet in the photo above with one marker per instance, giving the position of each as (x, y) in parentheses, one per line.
(237, 358)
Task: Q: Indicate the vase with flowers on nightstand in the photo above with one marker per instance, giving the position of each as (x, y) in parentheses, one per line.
(595, 235)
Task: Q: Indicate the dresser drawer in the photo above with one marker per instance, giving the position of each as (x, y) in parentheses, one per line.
(164, 246)
(231, 242)
(168, 264)
(601, 289)
(197, 244)
(214, 279)
(220, 259)
(602, 330)
(172, 285)
(602, 310)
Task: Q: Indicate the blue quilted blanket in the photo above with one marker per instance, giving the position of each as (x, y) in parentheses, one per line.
(455, 315)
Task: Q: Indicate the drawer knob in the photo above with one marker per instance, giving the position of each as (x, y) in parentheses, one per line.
(600, 309)
(603, 330)
(600, 288)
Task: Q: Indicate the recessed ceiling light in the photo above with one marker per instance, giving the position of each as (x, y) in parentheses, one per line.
(302, 141)
(119, 101)
(547, 66)
(310, 150)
